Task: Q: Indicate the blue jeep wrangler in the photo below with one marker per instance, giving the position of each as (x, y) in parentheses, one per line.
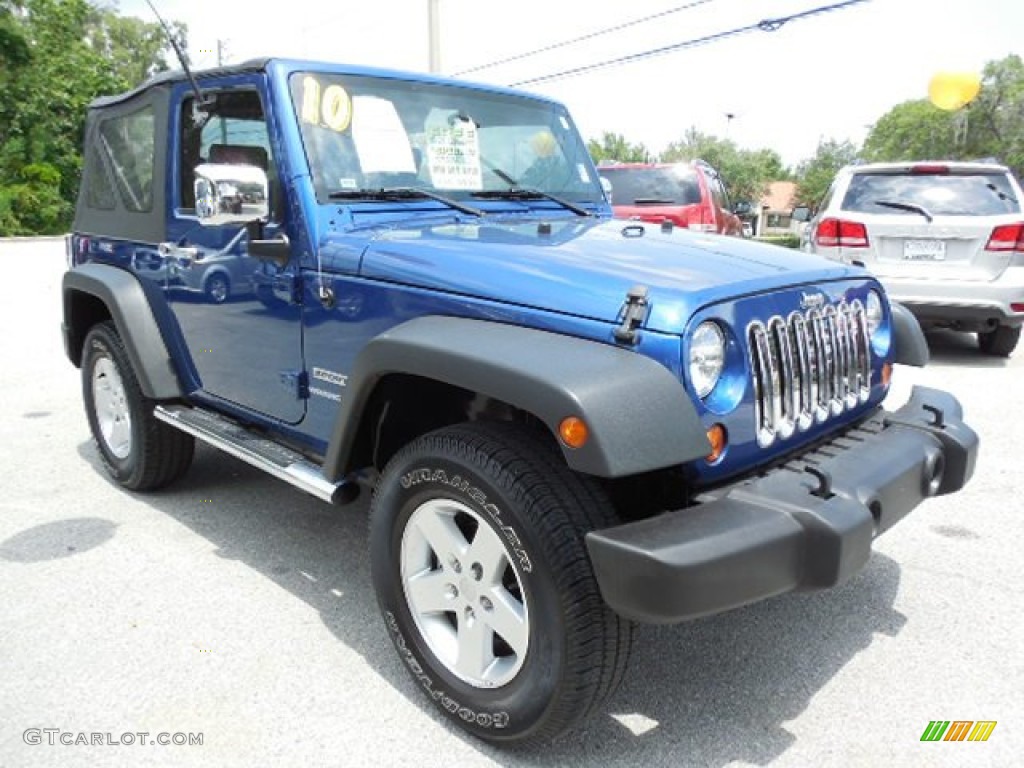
(569, 423)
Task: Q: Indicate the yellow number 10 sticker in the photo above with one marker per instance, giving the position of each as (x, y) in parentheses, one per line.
(330, 106)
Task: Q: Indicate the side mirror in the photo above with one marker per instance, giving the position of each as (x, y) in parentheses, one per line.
(742, 209)
(801, 213)
(229, 194)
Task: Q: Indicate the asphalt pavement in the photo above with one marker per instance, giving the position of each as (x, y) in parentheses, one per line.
(234, 609)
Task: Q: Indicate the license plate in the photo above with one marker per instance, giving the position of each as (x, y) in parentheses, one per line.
(924, 250)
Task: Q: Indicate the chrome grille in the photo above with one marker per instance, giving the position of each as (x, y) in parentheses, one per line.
(808, 367)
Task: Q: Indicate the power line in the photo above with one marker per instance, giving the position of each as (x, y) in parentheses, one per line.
(765, 25)
(588, 36)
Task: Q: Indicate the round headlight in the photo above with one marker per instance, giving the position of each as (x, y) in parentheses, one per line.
(707, 357)
(873, 312)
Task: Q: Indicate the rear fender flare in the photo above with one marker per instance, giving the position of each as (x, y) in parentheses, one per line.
(125, 299)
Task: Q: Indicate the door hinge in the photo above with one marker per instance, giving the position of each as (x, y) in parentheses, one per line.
(297, 383)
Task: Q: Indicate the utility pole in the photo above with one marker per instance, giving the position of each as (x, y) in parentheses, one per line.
(729, 116)
(221, 45)
(434, 35)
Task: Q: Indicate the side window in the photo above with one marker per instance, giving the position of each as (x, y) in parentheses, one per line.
(827, 199)
(718, 191)
(99, 191)
(128, 143)
(236, 133)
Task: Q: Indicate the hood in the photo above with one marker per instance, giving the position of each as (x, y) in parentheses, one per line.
(584, 267)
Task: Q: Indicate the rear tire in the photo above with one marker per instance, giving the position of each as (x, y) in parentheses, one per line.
(482, 574)
(138, 451)
(999, 342)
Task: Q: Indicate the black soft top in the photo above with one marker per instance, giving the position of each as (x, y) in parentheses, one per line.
(177, 75)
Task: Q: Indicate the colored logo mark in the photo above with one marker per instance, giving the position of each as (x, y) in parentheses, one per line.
(958, 730)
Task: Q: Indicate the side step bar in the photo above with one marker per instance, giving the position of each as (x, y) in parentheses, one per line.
(273, 458)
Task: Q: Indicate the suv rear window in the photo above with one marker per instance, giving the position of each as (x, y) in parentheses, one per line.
(954, 194)
(667, 186)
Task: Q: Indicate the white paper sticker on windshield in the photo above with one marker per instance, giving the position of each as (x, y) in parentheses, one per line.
(380, 138)
(453, 154)
(581, 169)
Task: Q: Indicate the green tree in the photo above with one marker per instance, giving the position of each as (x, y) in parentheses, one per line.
(815, 174)
(14, 50)
(996, 118)
(77, 52)
(746, 172)
(992, 126)
(613, 147)
(135, 49)
(913, 130)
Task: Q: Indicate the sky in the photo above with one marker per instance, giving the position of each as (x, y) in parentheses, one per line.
(827, 76)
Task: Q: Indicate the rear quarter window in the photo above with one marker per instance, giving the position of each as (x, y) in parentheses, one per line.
(979, 194)
(128, 143)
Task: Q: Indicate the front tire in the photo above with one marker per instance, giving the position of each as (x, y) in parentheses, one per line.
(138, 451)
(217, 288)
(1000, 341)
(482, 575)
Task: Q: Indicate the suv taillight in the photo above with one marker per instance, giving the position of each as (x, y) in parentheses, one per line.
(1008, 237)
(832, 233)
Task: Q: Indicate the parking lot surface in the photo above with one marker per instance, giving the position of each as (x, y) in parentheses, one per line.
(235, 607)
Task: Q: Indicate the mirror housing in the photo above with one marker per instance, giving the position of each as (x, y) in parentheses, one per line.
(229, 194)
(801, 213)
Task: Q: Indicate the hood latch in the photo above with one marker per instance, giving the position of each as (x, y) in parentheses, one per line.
(634, 312)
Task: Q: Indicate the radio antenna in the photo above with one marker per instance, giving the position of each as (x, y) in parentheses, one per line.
(200, 98)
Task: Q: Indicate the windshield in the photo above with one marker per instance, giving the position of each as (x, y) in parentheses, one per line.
(976, 194)
(674, 185)
(368, 133)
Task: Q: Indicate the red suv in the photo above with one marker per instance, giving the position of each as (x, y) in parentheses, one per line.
(689, 195)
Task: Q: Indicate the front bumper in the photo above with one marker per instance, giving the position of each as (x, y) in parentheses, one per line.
(805, 525)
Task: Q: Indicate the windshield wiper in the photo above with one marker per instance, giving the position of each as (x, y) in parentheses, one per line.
(911, 207)
(652, 201)
(528, 193)
(516, 192)
(403, 193)
(1002, 195)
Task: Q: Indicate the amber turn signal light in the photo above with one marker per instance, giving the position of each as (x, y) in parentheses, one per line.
(886, 374)
(574, 432)
(718, 439)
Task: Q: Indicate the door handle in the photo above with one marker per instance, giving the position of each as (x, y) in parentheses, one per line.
(182, 254)
(277, 251)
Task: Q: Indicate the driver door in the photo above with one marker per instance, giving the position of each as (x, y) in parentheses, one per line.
(238, 315)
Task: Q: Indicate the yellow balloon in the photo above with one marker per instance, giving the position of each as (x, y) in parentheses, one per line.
(543, 143)
(953, 90)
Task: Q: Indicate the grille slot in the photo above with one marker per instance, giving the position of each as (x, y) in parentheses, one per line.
(808, 367)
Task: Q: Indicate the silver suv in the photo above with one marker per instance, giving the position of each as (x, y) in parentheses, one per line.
(946, 239)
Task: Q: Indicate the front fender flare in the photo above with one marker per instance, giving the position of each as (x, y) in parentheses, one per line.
(639, 414)
(908, 338)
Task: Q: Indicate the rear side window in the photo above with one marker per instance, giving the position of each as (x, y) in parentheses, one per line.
(99, 192)
(978, 194)
(652, 186)
(128, 144)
